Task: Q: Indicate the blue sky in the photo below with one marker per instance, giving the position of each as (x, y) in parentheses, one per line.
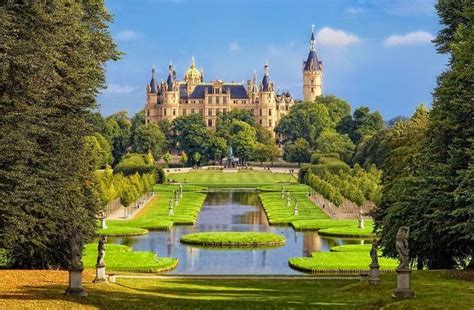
(375, 53)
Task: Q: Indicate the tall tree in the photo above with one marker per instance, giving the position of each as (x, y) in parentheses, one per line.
(149, 138)
(432, 191)
(362, 123)
(52, 67)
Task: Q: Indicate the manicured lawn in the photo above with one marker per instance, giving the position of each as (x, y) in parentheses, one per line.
(354, 257)
(155, 215)
(244, 178)
(122, 258)
(278, 212)
(286, 187)
(39, 289)
(234, 239)
(352, 231)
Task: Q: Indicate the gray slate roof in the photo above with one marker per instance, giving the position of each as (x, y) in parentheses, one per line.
(237, 91)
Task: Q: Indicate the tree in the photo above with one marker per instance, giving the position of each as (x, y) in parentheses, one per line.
(298, 152)
(264, 136)
(53, 56)
(332, 142)
(243, 139)
(167, 157)
(167, 130)
(184, 158)
(217, 148)
(338, 108)
(224, 121)
(306, 120)
(265, 152)
(361, 123)
(118, 133)
(191, 135)
(149, 138)
(197, 157)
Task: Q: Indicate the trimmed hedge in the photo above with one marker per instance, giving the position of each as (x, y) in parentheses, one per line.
(234, 239)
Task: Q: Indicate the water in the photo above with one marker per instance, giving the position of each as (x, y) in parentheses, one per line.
(232, 211)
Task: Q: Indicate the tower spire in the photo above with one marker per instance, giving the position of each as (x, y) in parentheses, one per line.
(312, 42)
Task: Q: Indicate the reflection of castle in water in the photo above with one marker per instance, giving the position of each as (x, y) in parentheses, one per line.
(311, 243)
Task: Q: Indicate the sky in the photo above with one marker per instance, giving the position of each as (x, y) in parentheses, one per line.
(375, 53)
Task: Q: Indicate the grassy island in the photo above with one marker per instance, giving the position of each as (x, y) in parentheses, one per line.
(123, 258)
(343, 258)
(234, 239)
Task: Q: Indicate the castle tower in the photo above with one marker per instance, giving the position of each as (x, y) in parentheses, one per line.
(192, 77)
(312, 73)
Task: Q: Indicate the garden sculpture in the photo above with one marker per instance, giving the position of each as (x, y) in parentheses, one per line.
(101, 252)
(401, 244)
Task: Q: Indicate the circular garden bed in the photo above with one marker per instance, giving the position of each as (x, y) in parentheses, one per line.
(234, 239)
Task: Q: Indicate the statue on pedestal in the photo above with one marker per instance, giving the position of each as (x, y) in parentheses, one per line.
(401, 244)
(101, 252)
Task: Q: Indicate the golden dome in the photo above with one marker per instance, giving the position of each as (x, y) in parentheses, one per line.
(192, 73)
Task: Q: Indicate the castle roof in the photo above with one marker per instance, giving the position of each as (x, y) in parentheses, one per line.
(237, 91)
(312, 62)
(153, 83)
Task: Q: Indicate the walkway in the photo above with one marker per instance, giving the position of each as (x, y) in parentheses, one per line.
(119, 214)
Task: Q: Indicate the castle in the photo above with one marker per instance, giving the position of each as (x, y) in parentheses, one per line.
(172, 98)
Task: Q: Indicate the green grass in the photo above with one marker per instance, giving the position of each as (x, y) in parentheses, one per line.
(172, 187)
(279, 214)
(288, 187)
(122, 258)
(352, 248)
(321, 223)
(244, 178)
(433, 289)
(155, 215)
(234, 239)
(339, 261)
(352, 231)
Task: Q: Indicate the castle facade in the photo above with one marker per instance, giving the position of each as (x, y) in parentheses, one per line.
(169, 99)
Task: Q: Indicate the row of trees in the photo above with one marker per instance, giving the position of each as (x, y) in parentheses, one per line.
(110, 186)
(357, 186)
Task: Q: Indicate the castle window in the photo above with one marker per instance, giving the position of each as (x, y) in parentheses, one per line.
(260, 121)
(147, 112)
(252, 111)
(235, 101)
(209, 112)
(224, 100)
(278, 107)
(224, 111)
(185, 101)
(209, 122)
(184, 112)
(269, 112)
(217, 100)
(269, 123)
(164, 111)
(209, 100)
(261, 112)
(192, 111)
(287, 108)
(312, 82)
(174, 112)
(312, 89)
(148, 121)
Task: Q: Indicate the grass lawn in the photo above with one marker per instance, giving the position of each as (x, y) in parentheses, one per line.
(40, 289)
(353, 257)
(234, 239)
(243, 178)
(286, 187)
(352, 231)
(278, 212)
(122, 258)
(154, 216)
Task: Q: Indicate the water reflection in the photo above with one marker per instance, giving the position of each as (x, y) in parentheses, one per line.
(232, 211)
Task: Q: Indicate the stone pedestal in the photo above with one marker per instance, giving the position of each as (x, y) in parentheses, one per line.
(374, 278)
(104, 224)
(75, 283)
(100, 276)
(112, 278)
(403, 285)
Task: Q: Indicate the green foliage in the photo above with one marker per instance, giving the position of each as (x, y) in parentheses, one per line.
(52, 68)
(361, 123)
(167, 157)
(184, 158)
(149, 138)
(243, 139)
(306, 120)
(338, 108)
(134, 163)
(429, 176)
(324, 158)
(329, 141)
(298, 152)
(265, 152)
(224, 126)
(234, 239)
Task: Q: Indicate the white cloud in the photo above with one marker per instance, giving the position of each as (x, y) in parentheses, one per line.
(119, 89)
(234, 47)
(417, 37)
(337, 38)
(128, 35)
